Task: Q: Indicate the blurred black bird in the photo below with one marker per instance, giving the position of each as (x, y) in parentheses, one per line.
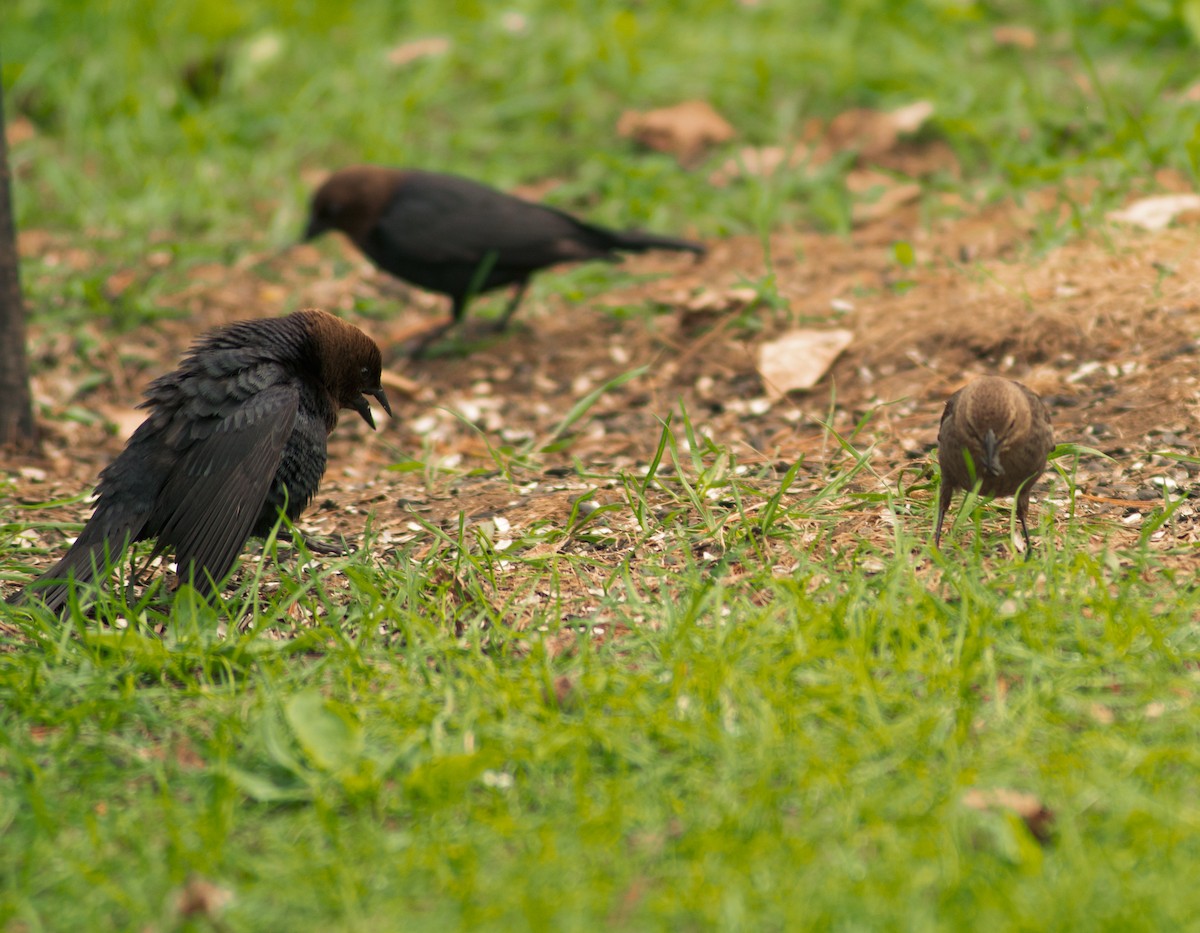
(458, 237)
(235, 435)
(997, 433)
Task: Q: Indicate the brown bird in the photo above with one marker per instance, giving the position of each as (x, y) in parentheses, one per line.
(997, 433)
(455, 236)
(235, 436)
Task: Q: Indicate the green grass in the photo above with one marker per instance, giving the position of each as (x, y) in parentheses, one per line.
(759, 750)
(128, 154)
(782, 734)
(774, 750)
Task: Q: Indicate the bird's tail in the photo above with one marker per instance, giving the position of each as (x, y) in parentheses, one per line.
(95, 551)
(637, 241)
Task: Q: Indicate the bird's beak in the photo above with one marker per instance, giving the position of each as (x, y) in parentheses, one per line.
(991, 454)
(314, 229)
(363, 408)
(381, 397)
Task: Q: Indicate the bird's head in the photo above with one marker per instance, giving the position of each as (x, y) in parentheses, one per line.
(351, 200)
(351, 364)
(996, 414)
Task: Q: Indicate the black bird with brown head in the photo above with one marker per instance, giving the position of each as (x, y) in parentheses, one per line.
(235, 437)
(458, 237)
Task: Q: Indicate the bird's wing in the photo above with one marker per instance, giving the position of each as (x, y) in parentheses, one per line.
(1042, 428)
(948, 412)
(440, 219)
(219, 484)
(1036, 405)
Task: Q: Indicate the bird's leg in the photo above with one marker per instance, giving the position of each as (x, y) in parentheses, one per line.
(1022, 509)
(944, 496)
(325, 546)
(422, 343)
(131, 584)
(513, 304)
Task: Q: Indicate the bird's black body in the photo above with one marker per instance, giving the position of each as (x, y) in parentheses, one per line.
(234, 436)
(458, 237)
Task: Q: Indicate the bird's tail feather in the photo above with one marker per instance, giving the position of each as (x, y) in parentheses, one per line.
(92, 555)
(638, 242)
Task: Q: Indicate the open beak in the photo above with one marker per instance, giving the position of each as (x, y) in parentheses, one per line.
(364, 409)
(361, 406)
(381, 397)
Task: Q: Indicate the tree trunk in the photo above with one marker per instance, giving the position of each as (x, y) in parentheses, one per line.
(17, 427)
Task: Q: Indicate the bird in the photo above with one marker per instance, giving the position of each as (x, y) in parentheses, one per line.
(234, 437)
(997, 433)
(460, 238)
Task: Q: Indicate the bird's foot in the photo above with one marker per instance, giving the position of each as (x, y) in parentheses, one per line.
(338, 547)
(417, 347)
(332, 547)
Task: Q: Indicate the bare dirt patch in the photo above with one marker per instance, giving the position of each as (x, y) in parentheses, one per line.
(1105, 328)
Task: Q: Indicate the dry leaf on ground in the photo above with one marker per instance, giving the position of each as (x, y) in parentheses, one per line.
(126, 420)
(1021, 37)
(19, 130)
(200, 897)
(873, 132)
(880, 197)
(1189, 95)
(1036, 815)
(1157, 212)
(799, 358)
(759, 162)
(393, 381)
(408, 52)
(117, 283)
(686, 130)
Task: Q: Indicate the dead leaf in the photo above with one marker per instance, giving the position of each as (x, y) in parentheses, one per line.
(536, 190)
(759, 162)
(563, 694)
(1021, 37)
(116, 284)
(873, 132)
(408, 52)
(799, 359)
(200, 897)
(709, 300)
(686, 130)
(19, 130)
(402, 384)
(125, 420)
(1172, 180)
(305, 254)
(271, 294)
(1102, 714)
(1156, 213)
(920, 159)
(34, 243)
(878, 195)
(1038, 818)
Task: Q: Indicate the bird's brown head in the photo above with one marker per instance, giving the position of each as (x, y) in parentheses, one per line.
(996, 413)
(352, 200)
(350, 362)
